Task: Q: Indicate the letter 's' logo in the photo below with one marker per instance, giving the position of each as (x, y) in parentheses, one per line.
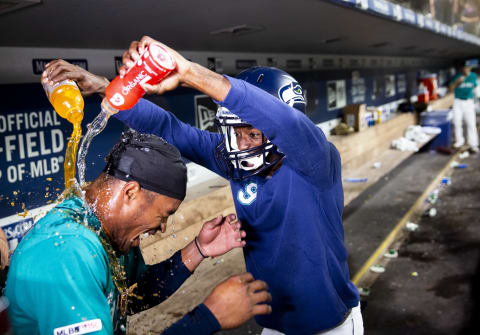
(248, 194)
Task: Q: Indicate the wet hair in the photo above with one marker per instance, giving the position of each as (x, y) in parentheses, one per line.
(149, 160)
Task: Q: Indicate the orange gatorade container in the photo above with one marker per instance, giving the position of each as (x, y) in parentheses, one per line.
(151, 68)
(66, 99)
(430, 82)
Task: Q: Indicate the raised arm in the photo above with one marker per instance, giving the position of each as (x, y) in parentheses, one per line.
(304, 144)
(194, 144)
(146, 117)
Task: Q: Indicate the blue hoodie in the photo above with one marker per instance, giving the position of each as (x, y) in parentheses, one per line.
(295, 237)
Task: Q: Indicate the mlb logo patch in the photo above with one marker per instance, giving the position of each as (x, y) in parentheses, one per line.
(84, 327)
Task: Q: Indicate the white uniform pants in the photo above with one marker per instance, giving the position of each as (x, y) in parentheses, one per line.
(464, 110)
(353, 325)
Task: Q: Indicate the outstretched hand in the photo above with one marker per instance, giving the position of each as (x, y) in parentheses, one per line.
(88, 83)
(220, 235)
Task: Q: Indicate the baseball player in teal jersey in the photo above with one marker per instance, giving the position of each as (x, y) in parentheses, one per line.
(79, 270)
(463, 84)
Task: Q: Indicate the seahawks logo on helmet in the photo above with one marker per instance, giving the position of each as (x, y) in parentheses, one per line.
(291, 93)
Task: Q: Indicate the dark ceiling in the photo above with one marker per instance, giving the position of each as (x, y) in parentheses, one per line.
(286, 26)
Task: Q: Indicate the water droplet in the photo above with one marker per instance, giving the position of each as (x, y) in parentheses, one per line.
(73, 308)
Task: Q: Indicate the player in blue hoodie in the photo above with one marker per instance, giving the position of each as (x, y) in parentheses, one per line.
(286, 182)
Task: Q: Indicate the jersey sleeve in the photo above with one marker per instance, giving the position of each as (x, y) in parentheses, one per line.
(67, 287)
(155, 283)
(194, 144)
(199, 321)
(304, 144)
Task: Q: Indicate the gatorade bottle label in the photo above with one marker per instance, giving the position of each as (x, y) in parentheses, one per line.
(151, 68)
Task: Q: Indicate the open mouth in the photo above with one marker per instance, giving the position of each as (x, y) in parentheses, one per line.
(246, 164)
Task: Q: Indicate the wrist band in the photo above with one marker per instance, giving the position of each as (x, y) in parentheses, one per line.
(198, 248)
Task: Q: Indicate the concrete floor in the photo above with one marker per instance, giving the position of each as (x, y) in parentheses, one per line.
(444, 297)
(369, 218)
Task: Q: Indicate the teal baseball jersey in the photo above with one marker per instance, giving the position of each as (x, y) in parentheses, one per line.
(465, 89)
(59, 280)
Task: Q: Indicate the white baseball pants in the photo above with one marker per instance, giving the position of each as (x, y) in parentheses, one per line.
(464, 110)
(353, 325)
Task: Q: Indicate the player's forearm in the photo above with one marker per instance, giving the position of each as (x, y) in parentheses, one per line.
(145, 117)
(158, 282)
(199, 321)
(191, 257)
(211, 83)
